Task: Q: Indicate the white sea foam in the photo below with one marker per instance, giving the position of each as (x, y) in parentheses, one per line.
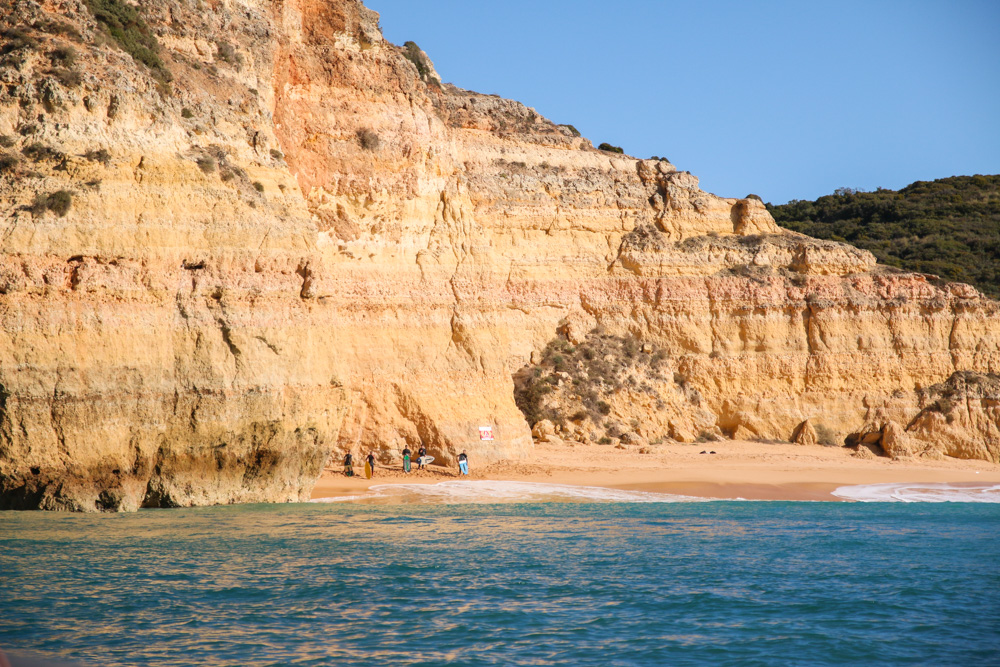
(490, 491)
(921, 492)
(337, 499)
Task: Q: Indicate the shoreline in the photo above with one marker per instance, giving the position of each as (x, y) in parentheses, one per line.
(737, 470)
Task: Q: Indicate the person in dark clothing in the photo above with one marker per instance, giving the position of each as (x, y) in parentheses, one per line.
(463, 463)
(420, 457)
(349, 465)
(371, 461)
(406, 459)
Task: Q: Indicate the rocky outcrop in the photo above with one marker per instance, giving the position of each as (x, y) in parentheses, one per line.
(305, 243)
(604, 389)
(958, 418)
(805, 434)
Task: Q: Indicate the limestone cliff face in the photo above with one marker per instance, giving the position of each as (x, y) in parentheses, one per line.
(307, 244)
(157, 348)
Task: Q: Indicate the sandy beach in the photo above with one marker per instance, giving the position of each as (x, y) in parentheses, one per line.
(736, 469)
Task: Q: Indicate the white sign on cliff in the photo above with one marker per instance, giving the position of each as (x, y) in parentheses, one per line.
(485, 432)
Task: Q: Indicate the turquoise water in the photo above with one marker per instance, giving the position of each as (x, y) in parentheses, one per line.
(588, 583)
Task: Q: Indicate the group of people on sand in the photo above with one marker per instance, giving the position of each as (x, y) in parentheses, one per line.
(422, 461)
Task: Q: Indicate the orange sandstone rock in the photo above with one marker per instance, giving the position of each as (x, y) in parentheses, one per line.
(317, 247)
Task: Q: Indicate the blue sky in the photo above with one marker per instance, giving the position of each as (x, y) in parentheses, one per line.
(785, 99)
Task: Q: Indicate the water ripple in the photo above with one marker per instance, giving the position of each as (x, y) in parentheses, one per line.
(578, 583)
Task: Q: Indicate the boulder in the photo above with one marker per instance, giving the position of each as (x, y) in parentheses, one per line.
(871, 437)
(679, 433)
(868, 452)
(896, 442)
(543, 430)
(805, 434)
(750, 216)
(634, 439)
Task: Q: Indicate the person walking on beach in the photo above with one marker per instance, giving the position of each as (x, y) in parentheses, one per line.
(349, 465)
(463, 463)
(371, 462)
(406, 458)
(420, 457)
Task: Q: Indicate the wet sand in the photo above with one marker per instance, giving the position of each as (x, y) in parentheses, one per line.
(737, 469)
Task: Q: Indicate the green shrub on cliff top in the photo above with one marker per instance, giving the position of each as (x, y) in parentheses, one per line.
(126, 26)
(949, 227)
(412, 53)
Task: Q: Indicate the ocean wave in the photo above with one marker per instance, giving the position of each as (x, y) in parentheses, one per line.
(338, 499)
(490, 491)
(920, 492)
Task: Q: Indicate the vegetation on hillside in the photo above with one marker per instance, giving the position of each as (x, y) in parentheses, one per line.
(949, 227)
(413, 53)
(125, 25)
(596, 369)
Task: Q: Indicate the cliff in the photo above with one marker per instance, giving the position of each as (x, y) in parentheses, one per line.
(288, 239)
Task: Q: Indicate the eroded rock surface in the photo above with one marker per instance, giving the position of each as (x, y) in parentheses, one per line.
(305, 243)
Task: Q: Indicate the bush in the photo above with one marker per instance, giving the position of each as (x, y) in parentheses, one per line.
(17, 39)
(826, 436)
(187, 113)
(58, 202)
(101, 155)
(610, 149)
(8, 162)
(63, 55)
(6, 141)
(206, 164)
(949, 227)
(69, 78)
(276, 154)
(368, 140)
(943, 405)
(559, 363)
(53, 27)
(37, 152)
(227, 54)
(573, 130)
(258, 186)
(127, 28)
(412, 53)
(598, 368)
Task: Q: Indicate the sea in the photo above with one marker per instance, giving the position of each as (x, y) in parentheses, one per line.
(503, 573)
